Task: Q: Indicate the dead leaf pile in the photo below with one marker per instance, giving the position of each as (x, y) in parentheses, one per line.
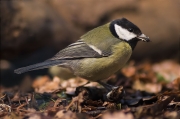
(145, 90)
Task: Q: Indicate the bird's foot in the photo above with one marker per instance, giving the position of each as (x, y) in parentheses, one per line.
(115, 93)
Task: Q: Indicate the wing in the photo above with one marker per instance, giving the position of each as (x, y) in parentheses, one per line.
(76, 50)
(79, 50)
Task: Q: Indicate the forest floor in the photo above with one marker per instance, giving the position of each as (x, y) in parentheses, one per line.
(142, 91)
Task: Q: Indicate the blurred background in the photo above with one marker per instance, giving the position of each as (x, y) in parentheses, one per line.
(33, 31)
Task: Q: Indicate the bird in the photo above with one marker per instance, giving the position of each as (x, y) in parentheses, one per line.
(97, 54)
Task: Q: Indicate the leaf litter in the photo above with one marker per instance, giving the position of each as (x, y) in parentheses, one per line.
(145, 90)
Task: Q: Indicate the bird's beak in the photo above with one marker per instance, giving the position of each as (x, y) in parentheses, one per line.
(143, 38)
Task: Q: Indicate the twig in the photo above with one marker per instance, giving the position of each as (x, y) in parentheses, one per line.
(18, 108)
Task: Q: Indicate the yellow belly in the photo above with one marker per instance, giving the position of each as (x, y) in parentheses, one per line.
(94, 69)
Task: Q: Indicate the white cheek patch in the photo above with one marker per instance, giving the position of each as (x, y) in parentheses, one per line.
(123, 33)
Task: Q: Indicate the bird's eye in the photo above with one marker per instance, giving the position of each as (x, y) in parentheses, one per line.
(130, 30)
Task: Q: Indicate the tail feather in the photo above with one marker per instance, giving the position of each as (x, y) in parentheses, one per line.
(37, 66)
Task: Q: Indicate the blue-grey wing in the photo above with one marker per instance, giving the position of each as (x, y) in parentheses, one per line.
(78, 50)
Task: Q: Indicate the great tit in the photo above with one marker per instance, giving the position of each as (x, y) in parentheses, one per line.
(97, 54)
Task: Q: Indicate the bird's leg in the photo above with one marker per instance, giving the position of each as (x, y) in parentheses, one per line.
(115, 93)
(106, 86)
(85, 84)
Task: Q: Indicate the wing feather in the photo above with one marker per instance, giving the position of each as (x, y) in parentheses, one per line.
(77, 50)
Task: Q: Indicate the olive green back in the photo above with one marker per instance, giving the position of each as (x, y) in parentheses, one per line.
(101, 38)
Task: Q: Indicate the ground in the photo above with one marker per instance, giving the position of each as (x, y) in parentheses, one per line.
(143, 90)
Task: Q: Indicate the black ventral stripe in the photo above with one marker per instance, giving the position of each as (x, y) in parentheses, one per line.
(133, 43)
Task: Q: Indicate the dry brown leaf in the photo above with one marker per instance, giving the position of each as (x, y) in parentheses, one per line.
(65, 115)
(117, 115)
(169, 69)
(176, 83)
(40, 81)
(148, 87)
(171, 115)
(129, 71)
(49, 86)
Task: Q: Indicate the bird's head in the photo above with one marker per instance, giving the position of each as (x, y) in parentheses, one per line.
(127, 31)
